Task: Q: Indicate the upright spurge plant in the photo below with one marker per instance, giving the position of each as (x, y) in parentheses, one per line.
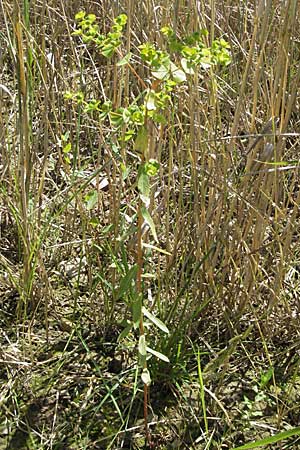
(134, 126)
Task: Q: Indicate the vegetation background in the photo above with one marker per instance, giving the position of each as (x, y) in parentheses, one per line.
(224, 276)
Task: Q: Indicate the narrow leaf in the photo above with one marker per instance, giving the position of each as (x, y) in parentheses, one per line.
(158, 354)
(142, 345)
(126, 282)
(143, 183)
(269, 440)
(148, 219)
(125, 333)
(157, 322)
(137, 311)
(146, 377)
(160, 250)
(125, 60)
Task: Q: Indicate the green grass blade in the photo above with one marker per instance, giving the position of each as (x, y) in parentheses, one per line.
(270, 440)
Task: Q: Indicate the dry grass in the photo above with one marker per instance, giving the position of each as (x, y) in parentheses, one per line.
(226, 209)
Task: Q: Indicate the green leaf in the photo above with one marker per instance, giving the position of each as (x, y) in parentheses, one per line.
(160, 250)
(167, 31)
(159, 118)
(206, 59)
(92, 105)
(65, 137)
(129, 135)
(158, 354)
(178, 75)
(148, 219)
(269, 440)
(94, 222)
(121, 19)
(125, 60)
(116, 117)
(125, 333)
(68, 95)
(90, 18)
(280, 163)
(266, 377)
(142, 345)
(148, 52)
(91, 199)
(67, 148)
(126, 115)
(151, 167)
(141, 142)
(157, 322)
(187, 66)
(116, 28)
(150, 101)
(125, 171)
(189, 52)
(143, 183)
(126, 281)
(162, 72)
(224, 43)
(79, 97)
(108, 50)
(80, 15)
(146, 378)
(136, 306)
